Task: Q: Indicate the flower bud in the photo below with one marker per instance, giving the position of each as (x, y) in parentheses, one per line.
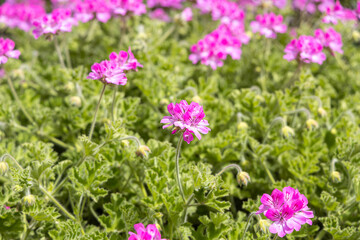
(196, 99)
(143, 151)
(335, 176)
(322, 112)
(333, 131)
(158, 226)
(158, 215)
(125, 143)
(243, 178)
(69, 86)
(264, 225)
(312, 124)
(17, 188)
(242, 126)
(3, 167)
(356, 35)
(75, 101)
(287, 132)
(164, 101)
(29, 200)
(7, 207)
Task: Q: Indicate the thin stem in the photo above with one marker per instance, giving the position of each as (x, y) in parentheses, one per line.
(238, 168)
(178, 169)
(113, 103)
(69, 215)
(96, 111)
(268, 172)
(19, 102)
(6, 155)
(276, 236)
(58, 51)
(247, 224)
(277, 119)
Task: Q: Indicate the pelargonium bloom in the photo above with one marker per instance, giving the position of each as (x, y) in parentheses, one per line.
(330, 39)
(268, 25)
(122, 7)
(215, 47)
(187, 14)
(149, 233)
(59, 20)
(165, 3)
(160, 14)
(7, 50)
(306, 49)
(287, 209)
(186, 118)
(338, 12)
(113, 71)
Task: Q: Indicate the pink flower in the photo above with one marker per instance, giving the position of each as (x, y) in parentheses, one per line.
(125, 60)
(149, 233)
(165, 3)
(160, 14)
(255, 3)
(122, 7)
(7, 207)
(58, 20)
(306, 49)
(113, 71)
(287, 210)
(108, 73)
(330, 39)
(186, 118)
(268, 25)
(187, 14)
(20, 15)
(338, 12)
(215, 47)
(7, 50)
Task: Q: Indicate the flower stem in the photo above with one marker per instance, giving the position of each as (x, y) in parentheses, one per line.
(18, 101)
(6, 155)
(268, 172)
(58, 51)
(247, 224)
(177, 168)
(69, 215)
(238, 168)
(96, 111)
(113, 103)
(276, 236)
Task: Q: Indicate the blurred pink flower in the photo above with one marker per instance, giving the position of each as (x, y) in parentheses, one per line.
(215, 47)
(7, 50)
(165, 3)
(287, 210)
(7, 207)
(186, 118)
(149, 233)
(125, 60)
(160, 14)
(306, 49)
(20, 15)
(187, 14)
(268, 25)
(330, 39)
(338, 12)
(60, 20)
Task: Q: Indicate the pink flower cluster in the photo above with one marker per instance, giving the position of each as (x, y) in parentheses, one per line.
(60, 20)
(214, 48)
(188, 119)
(337, 13)
(330, 39)
(268, 25)
(165, 3)
(20, 15)
(306, 49)
(149, 233)
(311, 5)
(268, 3)
(287, 209)
(310, 49)
(7, 50)
(113, 71)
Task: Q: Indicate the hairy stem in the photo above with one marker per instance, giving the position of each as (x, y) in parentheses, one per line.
(178, 169)
(58, 51)
(247, 224)
(268, 172)
(27, 115)
(113, 103)
(96, 111)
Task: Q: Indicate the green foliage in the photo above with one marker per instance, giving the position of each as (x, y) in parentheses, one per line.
(98, 188)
